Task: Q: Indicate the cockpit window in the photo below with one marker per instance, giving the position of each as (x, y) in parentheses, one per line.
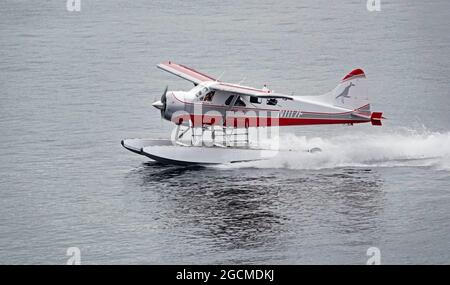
(209, 96)
(200, 90)
(197, 88)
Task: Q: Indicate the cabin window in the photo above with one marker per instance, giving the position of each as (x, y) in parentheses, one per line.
(239, 102)
(255, 100)
(229, 99)
(272, 101)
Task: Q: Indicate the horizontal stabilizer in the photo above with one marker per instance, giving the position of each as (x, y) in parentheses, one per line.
(375, 119)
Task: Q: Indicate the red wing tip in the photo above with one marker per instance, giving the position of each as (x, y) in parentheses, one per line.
(354, 73)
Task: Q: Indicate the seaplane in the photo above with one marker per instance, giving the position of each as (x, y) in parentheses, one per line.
(212, 121)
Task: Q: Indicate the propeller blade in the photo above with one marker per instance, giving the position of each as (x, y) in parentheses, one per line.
(163, 96)
(163, 101)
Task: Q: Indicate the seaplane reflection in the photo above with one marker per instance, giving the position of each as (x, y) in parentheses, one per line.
(231, 209)
(235, 209)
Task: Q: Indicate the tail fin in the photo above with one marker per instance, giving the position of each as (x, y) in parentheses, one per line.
(351, 92)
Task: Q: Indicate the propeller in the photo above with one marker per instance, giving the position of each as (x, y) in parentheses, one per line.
(161, 104)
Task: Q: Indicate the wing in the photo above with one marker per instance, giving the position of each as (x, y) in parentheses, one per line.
(247, 91)
(185, 72)
(197, 77)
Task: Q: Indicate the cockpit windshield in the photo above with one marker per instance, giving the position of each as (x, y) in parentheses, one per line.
(199, 90)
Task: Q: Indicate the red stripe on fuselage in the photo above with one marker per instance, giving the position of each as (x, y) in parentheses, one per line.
(242, 122)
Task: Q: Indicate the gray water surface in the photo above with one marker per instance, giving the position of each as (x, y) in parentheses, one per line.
(74, 84)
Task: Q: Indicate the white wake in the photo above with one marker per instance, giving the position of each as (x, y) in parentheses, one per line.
(403, 148)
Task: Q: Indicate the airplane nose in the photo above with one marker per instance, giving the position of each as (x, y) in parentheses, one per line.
(158, 105)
